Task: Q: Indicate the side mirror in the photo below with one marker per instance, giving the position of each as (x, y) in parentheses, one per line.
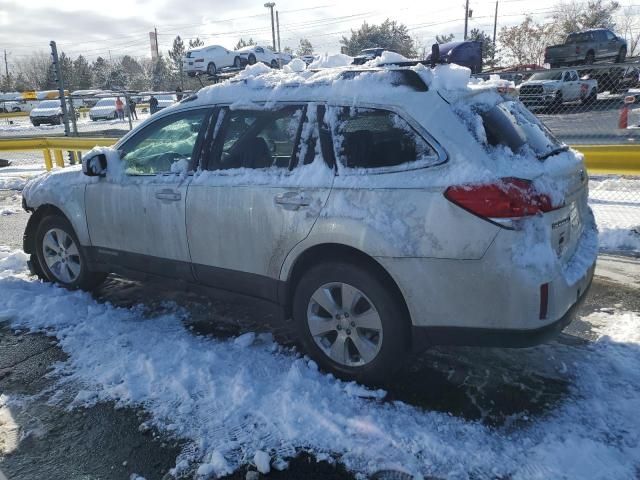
(95, 165)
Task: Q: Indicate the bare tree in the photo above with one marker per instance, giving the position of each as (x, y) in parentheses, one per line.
(525, 43)
(574, 16)
(35, 70)
(629, 27)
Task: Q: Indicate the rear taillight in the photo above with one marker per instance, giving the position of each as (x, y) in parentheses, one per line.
(507, 198)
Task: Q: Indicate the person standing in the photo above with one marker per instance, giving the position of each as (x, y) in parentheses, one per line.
(120, 108)
(132, 109)
(153, 105)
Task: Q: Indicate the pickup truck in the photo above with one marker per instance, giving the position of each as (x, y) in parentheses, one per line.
(587, 47)
(554, 87)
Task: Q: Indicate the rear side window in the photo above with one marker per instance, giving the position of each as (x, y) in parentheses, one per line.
(377, 139)
(511, 125)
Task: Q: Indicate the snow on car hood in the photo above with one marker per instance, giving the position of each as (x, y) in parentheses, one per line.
(46, 112)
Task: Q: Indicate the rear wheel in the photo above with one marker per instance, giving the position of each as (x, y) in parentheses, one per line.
(60, 257)
(350, 322)
(590, 58)
(211, 68)
(237, 63)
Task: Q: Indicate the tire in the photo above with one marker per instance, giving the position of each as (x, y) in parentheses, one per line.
(237, 63)
(15, 110)
(557, 103)
(383, 347)
(590, 58)
(252, 59)
(621, 55)
(59, 120)
(211, 69)
(36, 124)
(274, 64)
(60, 257)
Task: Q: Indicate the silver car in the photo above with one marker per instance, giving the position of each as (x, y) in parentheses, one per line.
(368, 206)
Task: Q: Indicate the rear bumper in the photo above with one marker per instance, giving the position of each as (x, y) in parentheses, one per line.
(502, 338)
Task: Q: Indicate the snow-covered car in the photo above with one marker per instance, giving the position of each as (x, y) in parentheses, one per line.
(105, 109)
(554, 87)
(47, 111)
(210, 60)
(381, 209)
(255, 53)
(284, 57)
(309, 59)
(369, 54)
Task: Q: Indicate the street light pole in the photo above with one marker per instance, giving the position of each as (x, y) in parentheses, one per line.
(270, 6)
(466, 19)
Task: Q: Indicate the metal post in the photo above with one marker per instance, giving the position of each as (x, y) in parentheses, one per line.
(126, 101)
(495, 26)
(466, 19)
(58, 156)
(278, 30)
(73, 116)
(59, 79)
(270, 6)
(157, 47)
(6, 65)
(48, 161)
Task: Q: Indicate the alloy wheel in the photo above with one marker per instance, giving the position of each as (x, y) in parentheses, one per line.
(344, 324)
(61, 255)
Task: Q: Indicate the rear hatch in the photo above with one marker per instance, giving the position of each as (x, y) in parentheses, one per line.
(537, 175)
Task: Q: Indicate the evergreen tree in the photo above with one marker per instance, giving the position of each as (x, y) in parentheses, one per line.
(81, 73)
(195, 43)
(488, 49)
(244, 43)
(100, 73)
(445, 38)
(66, 69)
(304, 47)
(389, 34)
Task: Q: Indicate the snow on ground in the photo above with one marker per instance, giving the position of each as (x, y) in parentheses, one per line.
(616, 204)
(248, 401)
(22, 126)
(23, 167)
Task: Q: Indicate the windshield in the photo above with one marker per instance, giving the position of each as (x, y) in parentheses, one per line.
(49, 104)
(546, 76)
(512, 125)
(106, 102)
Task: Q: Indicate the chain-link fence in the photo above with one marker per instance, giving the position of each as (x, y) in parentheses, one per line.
(584, 104)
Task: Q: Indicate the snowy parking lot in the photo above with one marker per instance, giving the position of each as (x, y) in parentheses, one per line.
(135, 380)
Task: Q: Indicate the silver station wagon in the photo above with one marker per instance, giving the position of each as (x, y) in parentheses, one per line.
(379, 209)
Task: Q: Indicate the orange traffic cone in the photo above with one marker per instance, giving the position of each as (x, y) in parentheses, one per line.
(623, 121)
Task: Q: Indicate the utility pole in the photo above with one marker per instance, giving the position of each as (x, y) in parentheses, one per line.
(466, 19)
(157, 48)
(278, 29)
(270, 5)
(495, 26)
(6, 65)
(60, 82)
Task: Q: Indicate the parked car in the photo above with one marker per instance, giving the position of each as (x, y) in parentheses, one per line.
(165, 101)
(587, 47)
(468, 54)
(105, 109)
(47, 111)
(404, 248)
(284, 57)
(554, 87)
(7, 106)
(613, 79)
(369, 54)
(255, 53)
(209, 60)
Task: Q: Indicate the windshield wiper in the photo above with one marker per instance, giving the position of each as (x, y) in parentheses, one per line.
(553, 152)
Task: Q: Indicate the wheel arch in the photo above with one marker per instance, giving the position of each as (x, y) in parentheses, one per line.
(323, 252)
(29, 237)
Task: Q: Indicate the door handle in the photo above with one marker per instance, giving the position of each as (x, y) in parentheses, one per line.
(168, 195)
(292, 200)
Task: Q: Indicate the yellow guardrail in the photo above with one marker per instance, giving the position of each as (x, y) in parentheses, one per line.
(14, 114)
(56, 145)
(599, 159)
(611, 159)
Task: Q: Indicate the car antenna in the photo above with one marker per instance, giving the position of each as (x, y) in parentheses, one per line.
(435, 55)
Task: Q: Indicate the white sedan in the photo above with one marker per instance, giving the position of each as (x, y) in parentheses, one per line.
(255, 53)
(105, 109)
(209, 59)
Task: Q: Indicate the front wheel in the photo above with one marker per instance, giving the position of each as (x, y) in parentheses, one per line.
(622, 55)
(274, 64)
(237, 63)
(350, 322)
(59, 256)
(252, 59)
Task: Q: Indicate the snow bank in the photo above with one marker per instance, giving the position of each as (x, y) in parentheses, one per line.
(332, 61)
(388, 58)
(295, 66)
(231, 401)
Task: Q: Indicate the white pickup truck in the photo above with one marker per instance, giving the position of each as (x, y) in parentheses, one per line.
(555, 87)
